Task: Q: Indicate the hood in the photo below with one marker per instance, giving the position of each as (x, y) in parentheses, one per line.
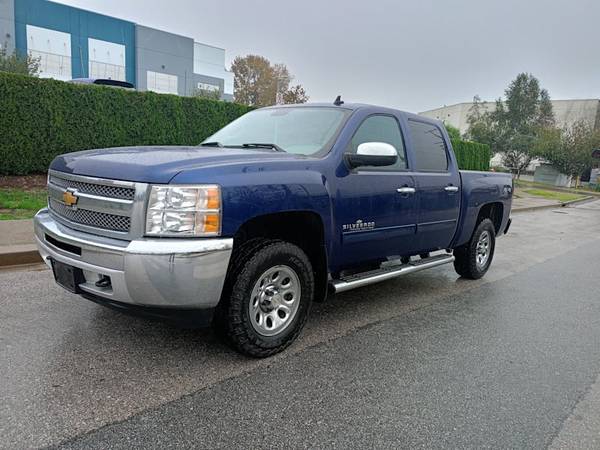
(157, 164)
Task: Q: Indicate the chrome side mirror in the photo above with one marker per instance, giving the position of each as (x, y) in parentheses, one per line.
(373, 154)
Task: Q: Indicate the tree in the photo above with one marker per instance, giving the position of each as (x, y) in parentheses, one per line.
(283, 78)
(257, 82)
(253, 81)
(516, 124)
(295, 94)
(15, 63)
(569, 150)
(453, 132)
(481, 125)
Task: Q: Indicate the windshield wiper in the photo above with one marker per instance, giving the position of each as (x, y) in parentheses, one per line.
(275, 147)
(211, 144)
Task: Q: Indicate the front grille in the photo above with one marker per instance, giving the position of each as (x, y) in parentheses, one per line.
(95, 219)
(101, 190)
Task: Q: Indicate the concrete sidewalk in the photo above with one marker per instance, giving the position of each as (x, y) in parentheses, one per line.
(530, 203)
(17, 245)
(523, 201)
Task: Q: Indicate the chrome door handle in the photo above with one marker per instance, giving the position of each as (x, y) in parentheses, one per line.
(406, 190)
(451, 188)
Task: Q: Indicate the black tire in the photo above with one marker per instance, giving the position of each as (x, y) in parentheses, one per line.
(248, 264)
(465, 262)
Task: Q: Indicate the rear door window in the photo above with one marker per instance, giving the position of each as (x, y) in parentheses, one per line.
(429, 147)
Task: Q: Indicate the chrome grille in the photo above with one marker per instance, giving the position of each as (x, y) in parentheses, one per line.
(101, 190)
(91, 218)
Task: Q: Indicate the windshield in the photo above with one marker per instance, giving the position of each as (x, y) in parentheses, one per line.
(303, 130)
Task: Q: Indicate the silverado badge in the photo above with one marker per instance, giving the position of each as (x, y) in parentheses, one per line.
(69, 198)
(359, 225)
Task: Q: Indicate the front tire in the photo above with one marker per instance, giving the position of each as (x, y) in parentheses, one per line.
(267, 298)
(473, 259)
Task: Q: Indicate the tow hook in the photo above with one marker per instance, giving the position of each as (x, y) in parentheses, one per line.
(103, 282)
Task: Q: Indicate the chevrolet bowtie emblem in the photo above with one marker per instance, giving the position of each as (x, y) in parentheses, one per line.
(69, 198)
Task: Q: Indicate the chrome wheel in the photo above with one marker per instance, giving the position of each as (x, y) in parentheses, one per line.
(483, 249)
(274, 300)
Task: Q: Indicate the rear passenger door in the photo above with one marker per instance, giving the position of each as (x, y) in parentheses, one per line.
(438, 186)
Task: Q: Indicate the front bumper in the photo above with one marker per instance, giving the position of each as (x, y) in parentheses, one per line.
(164, 273)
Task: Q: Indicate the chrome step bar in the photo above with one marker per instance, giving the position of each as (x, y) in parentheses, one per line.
(389, 272)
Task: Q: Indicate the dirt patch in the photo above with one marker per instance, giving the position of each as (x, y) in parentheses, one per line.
(25, 182)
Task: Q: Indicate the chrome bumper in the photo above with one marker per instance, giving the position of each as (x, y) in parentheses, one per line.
(173, 273)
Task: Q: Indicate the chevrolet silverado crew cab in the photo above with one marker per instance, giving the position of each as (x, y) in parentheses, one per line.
(278, 209)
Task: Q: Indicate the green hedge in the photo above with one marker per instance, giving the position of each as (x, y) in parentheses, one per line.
(472, 155)
(41, 118)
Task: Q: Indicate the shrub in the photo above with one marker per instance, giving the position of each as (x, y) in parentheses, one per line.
(453, 132)
(42, 118)
(471, 155)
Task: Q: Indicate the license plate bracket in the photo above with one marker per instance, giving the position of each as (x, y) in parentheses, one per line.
(68, 277)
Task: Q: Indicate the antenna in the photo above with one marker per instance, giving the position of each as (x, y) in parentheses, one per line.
(338, 101)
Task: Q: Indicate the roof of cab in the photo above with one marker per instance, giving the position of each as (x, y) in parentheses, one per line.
(357, 106)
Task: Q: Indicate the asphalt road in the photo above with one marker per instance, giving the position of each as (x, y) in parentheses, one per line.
(428, 360)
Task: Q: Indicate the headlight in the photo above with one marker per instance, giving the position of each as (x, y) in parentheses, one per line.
(184, 211)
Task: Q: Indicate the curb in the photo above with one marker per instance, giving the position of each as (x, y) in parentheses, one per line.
(18, 255)
(557, 205)
(531, 184)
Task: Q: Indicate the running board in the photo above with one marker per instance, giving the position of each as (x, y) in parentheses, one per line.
(389, 272)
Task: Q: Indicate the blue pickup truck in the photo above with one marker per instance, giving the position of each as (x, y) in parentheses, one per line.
(282, 207)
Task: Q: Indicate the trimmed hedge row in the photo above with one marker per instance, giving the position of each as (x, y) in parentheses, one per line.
(41, 118)
(472, 155)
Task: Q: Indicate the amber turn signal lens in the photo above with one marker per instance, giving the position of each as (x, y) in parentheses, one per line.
(212, 223)
(213, 200)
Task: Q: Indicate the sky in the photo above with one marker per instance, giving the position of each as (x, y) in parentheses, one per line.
(411, 55)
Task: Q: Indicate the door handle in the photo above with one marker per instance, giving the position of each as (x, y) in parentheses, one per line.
(406, 190)
(451, 188)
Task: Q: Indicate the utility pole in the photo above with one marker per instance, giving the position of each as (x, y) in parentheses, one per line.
(278, 93)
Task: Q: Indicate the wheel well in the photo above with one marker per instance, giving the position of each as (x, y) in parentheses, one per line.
(494, 212)
(302, 228)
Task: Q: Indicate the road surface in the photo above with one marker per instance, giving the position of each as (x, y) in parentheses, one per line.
(428, 360)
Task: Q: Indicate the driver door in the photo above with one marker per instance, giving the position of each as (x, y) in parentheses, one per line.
(374, 219)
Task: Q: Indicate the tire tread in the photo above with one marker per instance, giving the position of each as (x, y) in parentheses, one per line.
(465, 263)
(242, 269)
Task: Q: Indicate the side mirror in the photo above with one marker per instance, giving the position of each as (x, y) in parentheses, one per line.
(372, 154)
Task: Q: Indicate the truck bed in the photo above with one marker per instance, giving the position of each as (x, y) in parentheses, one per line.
(482, 188)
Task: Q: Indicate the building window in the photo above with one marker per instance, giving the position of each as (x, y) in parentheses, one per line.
(53, 49)
(208, 87)
(106, 60)
(210, 62)
(162, 83)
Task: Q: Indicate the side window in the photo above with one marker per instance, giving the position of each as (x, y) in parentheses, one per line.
(381, 129)
(429, 147)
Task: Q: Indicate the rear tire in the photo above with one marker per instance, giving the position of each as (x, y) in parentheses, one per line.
(267, 297)
(473, 259)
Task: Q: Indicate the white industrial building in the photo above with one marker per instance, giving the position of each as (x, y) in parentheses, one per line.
(75, 43)
(566, 112)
